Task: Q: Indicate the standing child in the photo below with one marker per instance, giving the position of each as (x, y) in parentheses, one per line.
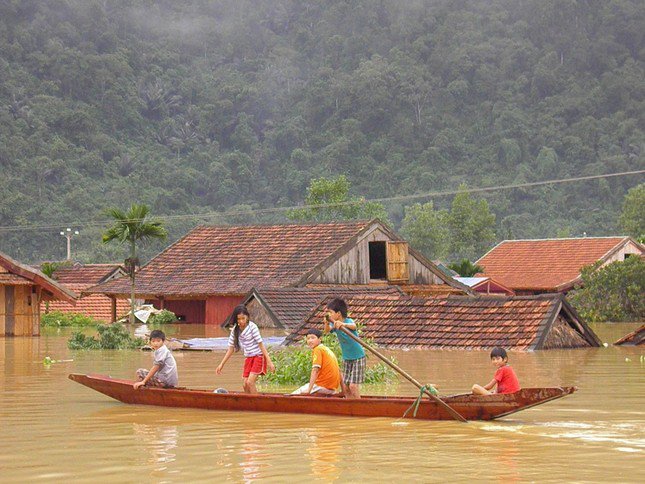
(325, 374)
(505, 377)
(354, 361)
(163, 373)
(246, 335)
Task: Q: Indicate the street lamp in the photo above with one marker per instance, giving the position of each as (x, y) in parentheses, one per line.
(68, 234)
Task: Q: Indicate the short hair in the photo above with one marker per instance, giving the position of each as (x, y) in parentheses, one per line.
(316, 332)
(157, 333)
(339, 305)
(499, 352)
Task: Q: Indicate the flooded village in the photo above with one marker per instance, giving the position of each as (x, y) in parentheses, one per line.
(436, 327)
(322, 241)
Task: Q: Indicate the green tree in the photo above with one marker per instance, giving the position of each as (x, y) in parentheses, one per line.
(133, 227)
(632, 218)
(426, 229)
(471, 226)
(613, 292)
(329, 199)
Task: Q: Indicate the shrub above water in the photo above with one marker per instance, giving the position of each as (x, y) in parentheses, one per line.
(293, 365)
(164, 317)
(59, 319)
(110, 337)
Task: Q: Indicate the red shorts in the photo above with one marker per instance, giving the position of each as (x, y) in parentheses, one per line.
(254, 364)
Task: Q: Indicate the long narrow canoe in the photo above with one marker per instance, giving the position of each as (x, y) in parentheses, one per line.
(472, 407)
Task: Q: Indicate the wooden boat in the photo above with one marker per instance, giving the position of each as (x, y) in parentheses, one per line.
(472, 407)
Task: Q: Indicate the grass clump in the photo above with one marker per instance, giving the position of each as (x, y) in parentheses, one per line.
(110, 337)
(57, 319)
(293, 365)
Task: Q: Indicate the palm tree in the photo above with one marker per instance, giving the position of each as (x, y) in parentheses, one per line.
(131, 227)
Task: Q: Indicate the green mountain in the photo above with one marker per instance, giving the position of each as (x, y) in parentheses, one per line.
(218, 106)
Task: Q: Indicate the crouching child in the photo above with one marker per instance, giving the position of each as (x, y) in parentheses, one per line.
(163, 373)
(325, 373)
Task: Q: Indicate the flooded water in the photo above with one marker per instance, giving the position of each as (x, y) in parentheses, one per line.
(54, 430)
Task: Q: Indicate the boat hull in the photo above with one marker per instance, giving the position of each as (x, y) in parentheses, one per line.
(472, 407)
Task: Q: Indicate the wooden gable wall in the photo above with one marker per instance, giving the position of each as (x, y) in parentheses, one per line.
(19, 310)
(353, 267)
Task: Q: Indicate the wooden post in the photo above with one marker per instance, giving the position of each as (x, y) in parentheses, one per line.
(113, 304)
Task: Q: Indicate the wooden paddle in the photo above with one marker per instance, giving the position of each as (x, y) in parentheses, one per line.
(403, 373)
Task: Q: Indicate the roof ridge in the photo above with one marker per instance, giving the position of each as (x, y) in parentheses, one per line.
(622, 237)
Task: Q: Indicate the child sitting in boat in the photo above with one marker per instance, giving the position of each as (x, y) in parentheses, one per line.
(163, 373)
(246, 335)
(505, 377)
(325, 373)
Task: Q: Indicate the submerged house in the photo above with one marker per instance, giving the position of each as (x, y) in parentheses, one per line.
(552, 265)
(22, 288)
(205, 274)
(289, 307)
(635, 338)
(518, 322)
(79, 277)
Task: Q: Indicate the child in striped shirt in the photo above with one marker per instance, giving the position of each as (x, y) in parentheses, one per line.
(246, 335)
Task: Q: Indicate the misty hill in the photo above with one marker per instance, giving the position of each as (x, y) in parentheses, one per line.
(202, 106)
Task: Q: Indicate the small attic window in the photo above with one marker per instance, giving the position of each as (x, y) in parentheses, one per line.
(627, 256)
(378, 266)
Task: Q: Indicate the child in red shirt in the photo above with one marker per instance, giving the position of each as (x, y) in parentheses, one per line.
(505, 377)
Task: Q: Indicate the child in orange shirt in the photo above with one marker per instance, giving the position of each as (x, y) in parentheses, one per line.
(325, 373)
(505, 377)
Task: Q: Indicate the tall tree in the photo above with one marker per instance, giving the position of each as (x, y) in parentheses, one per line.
(632, 218)
(133, 227)
(329, 199)
(426, 229)
(471, 226)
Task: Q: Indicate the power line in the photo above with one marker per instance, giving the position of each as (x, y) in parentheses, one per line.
(213, 214)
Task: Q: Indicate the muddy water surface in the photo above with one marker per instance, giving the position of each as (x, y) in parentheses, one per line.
(54, 430)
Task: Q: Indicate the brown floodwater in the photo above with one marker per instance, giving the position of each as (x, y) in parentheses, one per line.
(54, 430)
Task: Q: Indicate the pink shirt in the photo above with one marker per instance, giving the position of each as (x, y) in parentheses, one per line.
(506, 380)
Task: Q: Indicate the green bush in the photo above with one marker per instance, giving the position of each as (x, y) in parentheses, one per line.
(293, 365)
(613, 292)
(58, 319)
(164, 317)
(110, 337)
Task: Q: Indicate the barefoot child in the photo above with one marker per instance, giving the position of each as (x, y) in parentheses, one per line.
(325, 374)
(505, 377)
(354, 360)
(163, 373)
(246, 335)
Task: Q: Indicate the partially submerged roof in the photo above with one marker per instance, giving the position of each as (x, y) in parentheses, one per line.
(547, 264)
(635, 338)
(485, 284)
(13, 273)
(518, 322)
(288, 307)
(231, 260)
(87, 275)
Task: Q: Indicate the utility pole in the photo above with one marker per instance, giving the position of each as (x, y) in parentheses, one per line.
(68, 234)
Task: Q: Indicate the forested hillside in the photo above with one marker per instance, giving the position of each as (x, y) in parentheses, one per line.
(202, 106)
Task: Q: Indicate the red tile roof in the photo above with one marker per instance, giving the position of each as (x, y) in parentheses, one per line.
(95, 305)
(233, 260)
(545, 265)
(455, 322)
(290, 306)
(85, 275)
(14, 279)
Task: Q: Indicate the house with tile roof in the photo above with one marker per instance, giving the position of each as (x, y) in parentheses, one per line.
(204, 275)
(22, 288)
(288, 307)
(517, 322)
(78, 277)
(552, 265)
